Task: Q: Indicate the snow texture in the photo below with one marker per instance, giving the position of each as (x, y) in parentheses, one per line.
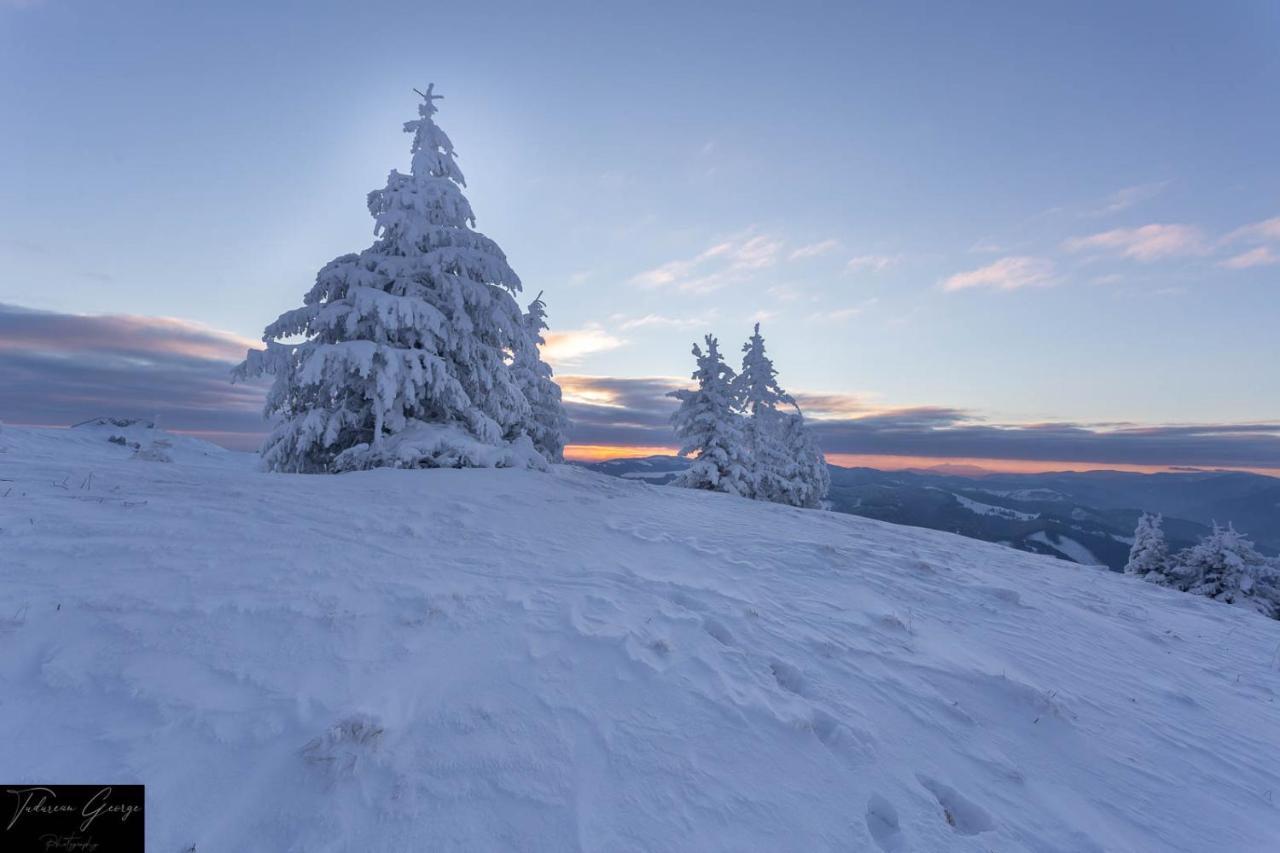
(395, 660)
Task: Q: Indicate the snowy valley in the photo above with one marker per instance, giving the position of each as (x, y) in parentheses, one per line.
(561, 660)
(1086, 517)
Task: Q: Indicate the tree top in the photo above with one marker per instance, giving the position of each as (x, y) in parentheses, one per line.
(429, 97)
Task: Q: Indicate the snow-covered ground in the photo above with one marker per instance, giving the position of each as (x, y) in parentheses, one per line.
(499, 659)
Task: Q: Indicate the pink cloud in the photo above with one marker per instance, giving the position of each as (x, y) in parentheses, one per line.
(871, 263)
(813, 250)
(728, 262)
(1147, 243)
(1259, 257)
(1267, 229)
(572, 345)
(1011, 273)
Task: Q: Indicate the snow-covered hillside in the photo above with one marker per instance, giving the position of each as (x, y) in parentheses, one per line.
(500, 659)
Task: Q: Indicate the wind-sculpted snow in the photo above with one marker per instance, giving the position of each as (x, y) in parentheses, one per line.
(504, 659)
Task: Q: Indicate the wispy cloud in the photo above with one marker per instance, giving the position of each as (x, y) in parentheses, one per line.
(813, 250)
(1261, 232)
(1260, 256)
(826, 404)
(785, 292)
(1010, 273)
(841, 315)
(662, 321)
(729, 262)
(570, 346)
(1147, 243)
(872, 263)
(1128, 197)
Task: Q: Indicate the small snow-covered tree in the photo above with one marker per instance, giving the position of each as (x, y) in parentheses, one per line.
(1224, 566)
(786, 465)
(406, 350)
(807, 479)
(548, 422)
(1264, 594)
(758, 395)
(710, 429)
(1149, 556)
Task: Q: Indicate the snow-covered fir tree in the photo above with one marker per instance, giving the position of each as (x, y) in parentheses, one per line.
(548, 423)
(710, 429)
(407, 347)
(808, 478)
(1226, 566)
(758, 395)
(1149, 556)
(786, 465)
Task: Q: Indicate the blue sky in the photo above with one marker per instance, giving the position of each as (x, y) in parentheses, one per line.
(1012, 212)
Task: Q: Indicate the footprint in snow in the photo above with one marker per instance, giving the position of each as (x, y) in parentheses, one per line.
(962, 814)
(854, 744)
(999, 593)
(882, 823)
(788, 677)
(718, 631)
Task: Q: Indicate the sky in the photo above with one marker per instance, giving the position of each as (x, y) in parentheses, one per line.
(1027, 236)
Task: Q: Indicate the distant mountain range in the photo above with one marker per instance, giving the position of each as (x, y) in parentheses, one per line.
(1086, 517)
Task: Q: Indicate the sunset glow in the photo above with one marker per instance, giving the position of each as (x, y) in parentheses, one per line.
(1007, 466)
(600, 452)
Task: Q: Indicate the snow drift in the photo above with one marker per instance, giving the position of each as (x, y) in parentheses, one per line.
(508, 659)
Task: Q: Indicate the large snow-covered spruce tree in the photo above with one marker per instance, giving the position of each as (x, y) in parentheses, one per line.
(414, 352)
(710, 429)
